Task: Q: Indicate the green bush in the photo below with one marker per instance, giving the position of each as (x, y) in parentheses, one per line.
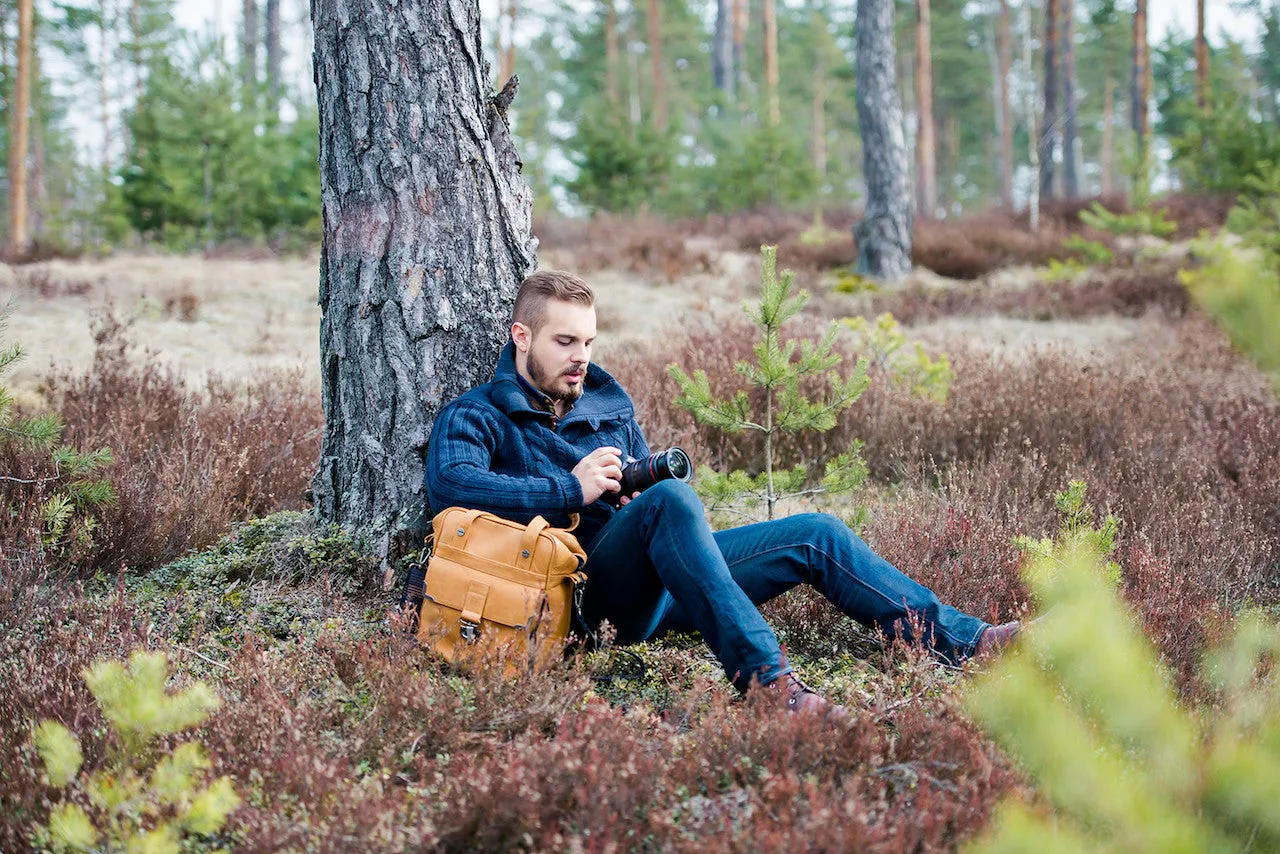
(621, 166)
(1137, 222)
(1089, 712)
(1224, 147)
(1241, 291)
(1256, 216)
(135, 804)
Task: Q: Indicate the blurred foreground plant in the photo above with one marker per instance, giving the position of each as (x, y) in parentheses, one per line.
(1090, 713)
(136, 807)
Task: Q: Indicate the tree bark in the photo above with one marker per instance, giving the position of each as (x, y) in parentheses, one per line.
(883, 235)
(926, 157)
(611, 51)
(1107, 157)
(1005, 54)
(722, 72)
(1202, 59)
(249, 45)
(740, 44)
(426, 236)
(18, 239)
(1070, 180)
(655, 65)
(104, 89)
(771, 60)
(274, 55)
(1140, 89)
(1049, 124)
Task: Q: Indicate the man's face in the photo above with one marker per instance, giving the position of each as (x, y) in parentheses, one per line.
(555, 358)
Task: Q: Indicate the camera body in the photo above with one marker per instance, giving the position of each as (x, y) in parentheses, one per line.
(639, 475)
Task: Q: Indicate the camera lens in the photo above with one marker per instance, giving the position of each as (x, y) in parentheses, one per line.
(678, 464)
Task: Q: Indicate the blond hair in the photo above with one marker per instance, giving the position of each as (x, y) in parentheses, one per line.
(544, 285)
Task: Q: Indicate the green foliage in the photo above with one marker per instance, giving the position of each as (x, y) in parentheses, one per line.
(70, 493)
(757, 166)
(1088, 710)
(1137, 222)
(136, 804)
(923, 376)
(1256, 216)
(1089, 251)
(1241, 291)
(780, 368)
(621, 166)
(1079, 531)
(1222, 148)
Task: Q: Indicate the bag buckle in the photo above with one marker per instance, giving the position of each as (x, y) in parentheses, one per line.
(470, 631)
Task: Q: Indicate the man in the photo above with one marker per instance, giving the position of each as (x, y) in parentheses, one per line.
(547, 436)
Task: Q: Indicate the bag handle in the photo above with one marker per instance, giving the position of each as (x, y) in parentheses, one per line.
(529, 541)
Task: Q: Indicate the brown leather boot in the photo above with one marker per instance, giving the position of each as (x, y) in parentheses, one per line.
(995, 638)
(803, 699)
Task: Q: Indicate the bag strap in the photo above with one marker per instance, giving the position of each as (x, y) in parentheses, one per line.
(529, 541)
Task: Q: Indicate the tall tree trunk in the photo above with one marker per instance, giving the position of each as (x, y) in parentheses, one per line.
(1029, 105)
(611, 51)
(722, 73)
(883, 235)
(1049, 124)
(1005, 53)
(1107, 157)
(1140, 90)
(426, 235)
(655, 65)
(39, 188)
(135, 48)
(1071, 184)
(274, 55)
(740, 44)
(926, 157)
(771, 60)
(104, 88)
(1202, 59)
(18, 241)
(249, 45)
(507, 57)
(820, 118)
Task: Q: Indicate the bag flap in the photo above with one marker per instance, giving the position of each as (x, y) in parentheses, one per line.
(479, 596)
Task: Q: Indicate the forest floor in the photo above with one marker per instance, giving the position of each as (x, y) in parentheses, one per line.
(241, 318)
(342, 735)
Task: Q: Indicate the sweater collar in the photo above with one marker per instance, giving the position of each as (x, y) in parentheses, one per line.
(602, 398)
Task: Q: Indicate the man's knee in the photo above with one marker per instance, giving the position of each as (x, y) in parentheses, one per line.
(827, 529)
(673, 496)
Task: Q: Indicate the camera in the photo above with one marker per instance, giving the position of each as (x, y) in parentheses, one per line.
(639, 475)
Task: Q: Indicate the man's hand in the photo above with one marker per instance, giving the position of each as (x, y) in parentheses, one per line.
(599, 472)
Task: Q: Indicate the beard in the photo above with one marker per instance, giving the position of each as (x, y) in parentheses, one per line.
(548, 381)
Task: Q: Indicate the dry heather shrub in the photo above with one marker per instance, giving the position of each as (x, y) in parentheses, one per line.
(187, 464)
(975, 245)
(1126, 291)
(1194, 212)
(647, 247)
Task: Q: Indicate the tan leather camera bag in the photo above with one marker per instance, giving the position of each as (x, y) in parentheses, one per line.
(492, 584)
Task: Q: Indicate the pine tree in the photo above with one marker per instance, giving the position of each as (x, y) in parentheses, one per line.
(780, 368)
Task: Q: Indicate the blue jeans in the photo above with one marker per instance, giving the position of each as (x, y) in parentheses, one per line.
(657, 566)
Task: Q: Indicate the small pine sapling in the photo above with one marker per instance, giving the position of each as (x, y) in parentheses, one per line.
(923, 376)
(1079, 529)
(1137, 222)
(72, 493)
(780, 368)
(135, 805)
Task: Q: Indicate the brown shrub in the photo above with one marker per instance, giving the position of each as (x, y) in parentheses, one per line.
(647, 247)
(1194, 212)
(187, 465)
(975, 245)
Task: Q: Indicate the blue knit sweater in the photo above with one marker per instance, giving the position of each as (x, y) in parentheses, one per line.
(495, 449)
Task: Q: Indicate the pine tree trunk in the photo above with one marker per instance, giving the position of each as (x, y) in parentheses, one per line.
(883, 235)
(655, 65)
(722, 73)
(1140, 90)
(1202, 59)
(740, 44)
(1005, 53)
(1107, 157)
(39, 187)
(426, 235)
(274, 83)
(104, 90)
(18, 239)
(249, 45)
(611, 51)
(820, 119)
(1049, 124)
(926, 158)
(1071, 185)
(771, 60)
(1029, 107)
